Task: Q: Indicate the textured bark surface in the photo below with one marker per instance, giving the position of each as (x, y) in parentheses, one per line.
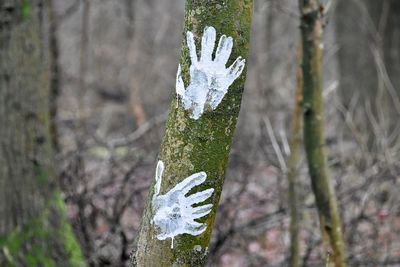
(191, 146)
(24, 153)
(311, 30)
(33, 227)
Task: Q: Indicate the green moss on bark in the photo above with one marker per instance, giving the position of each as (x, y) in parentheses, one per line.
(46, 240)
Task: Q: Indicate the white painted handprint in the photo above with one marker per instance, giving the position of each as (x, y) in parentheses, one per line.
(209, 79)
(174, 213)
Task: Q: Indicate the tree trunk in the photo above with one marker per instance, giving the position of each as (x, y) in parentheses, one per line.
(197, 142)
(55, 72)
(293, 165)
(33, 226)
(136, 103)
(311, 31)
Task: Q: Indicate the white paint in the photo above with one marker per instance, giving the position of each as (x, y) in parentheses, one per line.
(209, 78)
(173, 212)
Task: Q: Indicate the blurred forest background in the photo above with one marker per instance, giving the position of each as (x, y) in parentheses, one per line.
(114, 76)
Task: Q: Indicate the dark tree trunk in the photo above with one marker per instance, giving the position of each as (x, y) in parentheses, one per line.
(33, 226)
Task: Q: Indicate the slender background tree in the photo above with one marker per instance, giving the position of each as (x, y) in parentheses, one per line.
(314, 137)
(293, 167)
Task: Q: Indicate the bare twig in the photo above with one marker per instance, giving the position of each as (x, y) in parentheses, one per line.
(275, 145)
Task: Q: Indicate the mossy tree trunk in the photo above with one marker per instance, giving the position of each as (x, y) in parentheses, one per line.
(191, 146)
(33, 226)
(311, 31)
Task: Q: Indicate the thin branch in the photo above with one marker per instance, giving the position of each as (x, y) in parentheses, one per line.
(275, 145)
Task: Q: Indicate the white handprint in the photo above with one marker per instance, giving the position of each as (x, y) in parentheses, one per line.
(209, 79)
(174, 213)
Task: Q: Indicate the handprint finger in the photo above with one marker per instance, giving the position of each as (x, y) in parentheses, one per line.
(195, 228)
(192, 47)
(200, 196)
(191, 71)
(190, 182)
(207, 44)
(224, 50)
(158, 176)
(202, 208)
(180, 86)
(201, 211)
(236, 68)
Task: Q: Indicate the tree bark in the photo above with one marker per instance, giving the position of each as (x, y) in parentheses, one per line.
(191, 146)
(293, 165)
(33, 226)
(55, 72)
(311, 32)
(135, 100)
